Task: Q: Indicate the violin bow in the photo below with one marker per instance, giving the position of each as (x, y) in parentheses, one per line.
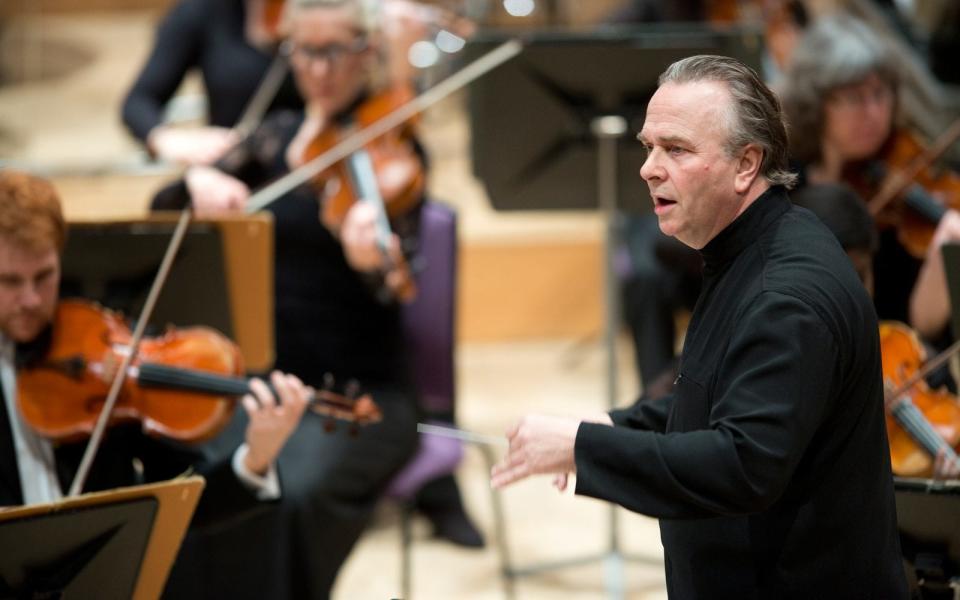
(266, 91)
(897, 183)
(931, 365)
(76, 486)
(362, 137)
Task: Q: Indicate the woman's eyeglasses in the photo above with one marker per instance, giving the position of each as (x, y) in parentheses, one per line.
(332, 54)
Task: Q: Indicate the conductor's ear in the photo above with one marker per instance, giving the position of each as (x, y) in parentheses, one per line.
(748, 168)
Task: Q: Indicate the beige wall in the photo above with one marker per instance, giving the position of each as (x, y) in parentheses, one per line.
(33, 7)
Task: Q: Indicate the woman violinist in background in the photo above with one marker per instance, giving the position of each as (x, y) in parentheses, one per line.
(335, 311)
(232, 44)
(841, 98)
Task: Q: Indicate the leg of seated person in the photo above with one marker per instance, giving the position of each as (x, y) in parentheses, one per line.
(440, 501)
(648, 299)
(331, 482)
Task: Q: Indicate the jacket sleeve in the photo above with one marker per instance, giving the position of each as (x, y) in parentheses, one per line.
(176, 50)
(773, 387)
(225, 499)
(646, 414)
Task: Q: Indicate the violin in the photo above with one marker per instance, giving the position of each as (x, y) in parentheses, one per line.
(181, 386)
(920, 422)
(387, 172)
(923, 195)
(271, 16)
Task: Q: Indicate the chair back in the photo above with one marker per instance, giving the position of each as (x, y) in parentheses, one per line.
(429, 321)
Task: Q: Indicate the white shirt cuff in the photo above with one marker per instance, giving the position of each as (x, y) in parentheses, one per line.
(266, 487)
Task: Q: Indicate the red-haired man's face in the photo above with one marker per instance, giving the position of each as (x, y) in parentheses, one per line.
(29, 284)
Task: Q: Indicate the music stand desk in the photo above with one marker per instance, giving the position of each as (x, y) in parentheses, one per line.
(131, 533)
(243, 273)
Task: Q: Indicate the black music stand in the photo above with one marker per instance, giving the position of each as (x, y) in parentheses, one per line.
(110, 545)
(88, 552)
(554, 129)
(928, 517)
(115, 264)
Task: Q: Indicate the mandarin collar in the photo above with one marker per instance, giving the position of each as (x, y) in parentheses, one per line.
(746, 228)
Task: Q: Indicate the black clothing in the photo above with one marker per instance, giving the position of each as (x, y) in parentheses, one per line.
(10, 492)
(895, 271)
(328, 319)
(768, 466)
(208, 35)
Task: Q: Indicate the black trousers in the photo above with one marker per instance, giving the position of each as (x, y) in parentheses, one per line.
(331, 482)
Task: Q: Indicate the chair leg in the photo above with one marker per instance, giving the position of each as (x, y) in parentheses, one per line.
(500, 530)
(406, 543)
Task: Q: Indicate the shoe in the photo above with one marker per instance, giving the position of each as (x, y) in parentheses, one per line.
(455, 527)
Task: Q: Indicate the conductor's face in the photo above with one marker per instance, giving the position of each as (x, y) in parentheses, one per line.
(29, 281)
(693, 181)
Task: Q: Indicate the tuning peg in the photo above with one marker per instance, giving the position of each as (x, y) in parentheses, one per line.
(352, 389)
(329, 425)
(328, 381)
(354, 430)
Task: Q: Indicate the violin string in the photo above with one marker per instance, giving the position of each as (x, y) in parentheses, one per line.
(192, 379)
(913, 428)
(920, 428)
(214, 383)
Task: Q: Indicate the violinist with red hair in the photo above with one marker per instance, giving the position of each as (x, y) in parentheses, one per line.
(34, 469)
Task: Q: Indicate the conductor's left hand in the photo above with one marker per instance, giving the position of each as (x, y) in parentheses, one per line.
(272, 420)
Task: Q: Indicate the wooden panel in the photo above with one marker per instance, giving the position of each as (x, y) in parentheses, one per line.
(248, 245)
(33, 7)
(116, 197)
(543, 290)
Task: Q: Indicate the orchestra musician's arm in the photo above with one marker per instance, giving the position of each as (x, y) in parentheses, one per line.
(238, 485)
(225, 188)
(176, 51)
(930, 298)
